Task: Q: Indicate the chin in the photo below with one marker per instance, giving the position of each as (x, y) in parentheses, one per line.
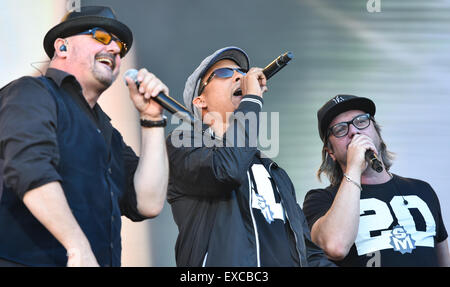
(106, 79)
(105, 75)
(236, 100)
(106, 82)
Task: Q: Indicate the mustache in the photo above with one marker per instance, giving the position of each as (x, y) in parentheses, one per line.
(109, 56)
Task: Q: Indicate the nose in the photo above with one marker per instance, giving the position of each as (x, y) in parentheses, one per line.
(237, 76)
(113, 47)
(352, 131)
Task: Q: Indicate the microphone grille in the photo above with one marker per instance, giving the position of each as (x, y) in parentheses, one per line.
(286, 57)
(131, 73)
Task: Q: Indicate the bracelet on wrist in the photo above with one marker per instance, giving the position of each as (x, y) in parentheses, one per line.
(349, 179)
(154, 124)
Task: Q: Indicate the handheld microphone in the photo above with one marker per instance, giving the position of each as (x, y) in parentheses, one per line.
(374, 162)
(165, 101)
(277, 64)
(176, 108)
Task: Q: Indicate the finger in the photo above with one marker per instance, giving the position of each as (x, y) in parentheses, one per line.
(150, 86)
(373, 148)
(263, 81)
(255, 74)
(251, 70)
(142, 74)
(368, 145)
(362, 143)
(145, 83)
(361, 138)
(262, 76)
(160, 88)
(131, 85)
(255, 69)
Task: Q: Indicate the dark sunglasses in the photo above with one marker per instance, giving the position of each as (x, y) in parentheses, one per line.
(341, 129)
(222, 73)
(105, 38)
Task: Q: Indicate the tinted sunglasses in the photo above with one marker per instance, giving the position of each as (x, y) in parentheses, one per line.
(222, 73)
(341, 129)
(105, 38)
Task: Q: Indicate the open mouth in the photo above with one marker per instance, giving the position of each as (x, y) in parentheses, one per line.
(106, 61)
(238, 92)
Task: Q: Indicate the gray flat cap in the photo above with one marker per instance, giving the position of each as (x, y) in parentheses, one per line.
(193, 82)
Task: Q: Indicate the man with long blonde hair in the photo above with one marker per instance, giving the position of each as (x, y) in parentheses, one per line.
(367, 217)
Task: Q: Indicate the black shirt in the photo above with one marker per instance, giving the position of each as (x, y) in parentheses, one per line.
(276, 240)
(49, 133)
(38, 128)
(400, 223)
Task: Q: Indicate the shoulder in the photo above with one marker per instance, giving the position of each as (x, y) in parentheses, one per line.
(177, 138)
(323, 193)
(185, 137)
(418, 187)
(26, 90)
(318, 199)
(22, 83)
(413, 182)
(317, 202)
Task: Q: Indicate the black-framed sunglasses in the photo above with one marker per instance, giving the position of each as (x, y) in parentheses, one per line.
(222, 73)
(105, 38)
(341, 129)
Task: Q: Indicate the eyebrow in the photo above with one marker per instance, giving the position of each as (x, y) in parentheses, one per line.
(331, 125)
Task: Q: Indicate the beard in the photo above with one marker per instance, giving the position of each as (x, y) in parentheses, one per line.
(105, 75)
(378, 145)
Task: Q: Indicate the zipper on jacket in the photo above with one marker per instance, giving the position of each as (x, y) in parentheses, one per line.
(204, 260)
(287, 217)
(258, 261)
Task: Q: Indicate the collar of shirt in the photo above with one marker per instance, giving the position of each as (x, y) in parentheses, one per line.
(59, 76)
(70, 84)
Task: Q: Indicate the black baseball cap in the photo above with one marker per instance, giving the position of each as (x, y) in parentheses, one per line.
(338, 105)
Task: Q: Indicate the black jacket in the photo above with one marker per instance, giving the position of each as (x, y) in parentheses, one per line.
(210, 199)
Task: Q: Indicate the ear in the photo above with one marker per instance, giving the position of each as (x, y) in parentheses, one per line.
(330, 153)
(200, 102)
(58, 51)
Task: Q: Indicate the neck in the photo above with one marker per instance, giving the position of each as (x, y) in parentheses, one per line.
(91, 89)
(91, 96)
(215, 121)
(370, 176)
(219, 128)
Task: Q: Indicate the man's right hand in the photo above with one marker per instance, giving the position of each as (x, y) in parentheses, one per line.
(356, 151)
(49, 205)
(254, 82)
(77, 258)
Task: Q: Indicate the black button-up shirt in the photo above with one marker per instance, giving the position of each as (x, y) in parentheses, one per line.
(41, 109)
(29, 147)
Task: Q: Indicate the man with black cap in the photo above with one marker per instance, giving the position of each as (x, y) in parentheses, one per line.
(368, 217)
(68, 175)
(233, 206)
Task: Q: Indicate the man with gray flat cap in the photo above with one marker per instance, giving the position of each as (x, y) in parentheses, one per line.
(369, 216)
(233, 206)
(68, 176)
